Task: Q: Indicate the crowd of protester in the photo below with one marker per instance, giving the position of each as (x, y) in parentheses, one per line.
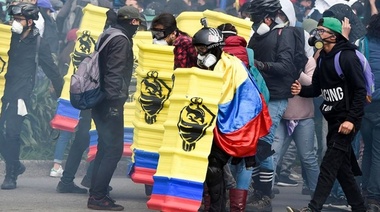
(285, 38)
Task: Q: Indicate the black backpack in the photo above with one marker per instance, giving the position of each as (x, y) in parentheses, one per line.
(300, 58)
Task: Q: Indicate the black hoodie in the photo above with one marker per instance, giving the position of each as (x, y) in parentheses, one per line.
(335, 90)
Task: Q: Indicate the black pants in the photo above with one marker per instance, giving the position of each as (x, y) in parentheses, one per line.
(215, 179)
(109, 123)
(337, 164)
(10, 129)
(79, 145)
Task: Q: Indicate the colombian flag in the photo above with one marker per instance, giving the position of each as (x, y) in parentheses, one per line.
(243, 115)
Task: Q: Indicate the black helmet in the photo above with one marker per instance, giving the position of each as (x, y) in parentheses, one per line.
(259, 9)
(209, 37)
(28, 10)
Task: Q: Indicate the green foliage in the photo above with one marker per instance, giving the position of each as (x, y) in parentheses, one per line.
(37, 135)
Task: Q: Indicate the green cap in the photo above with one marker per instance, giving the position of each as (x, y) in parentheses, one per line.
(129, 12)
(331, 23)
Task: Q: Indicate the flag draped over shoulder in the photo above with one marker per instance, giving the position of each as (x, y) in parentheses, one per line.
(243, 115)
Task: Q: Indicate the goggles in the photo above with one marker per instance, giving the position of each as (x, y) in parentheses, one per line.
(159, 34)
(14, 10)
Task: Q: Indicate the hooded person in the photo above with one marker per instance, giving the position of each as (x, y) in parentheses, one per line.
(275, 47)
(343, 109)
(289, 19)
(116, 61)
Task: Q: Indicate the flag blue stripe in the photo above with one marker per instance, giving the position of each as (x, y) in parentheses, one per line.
(245, 106)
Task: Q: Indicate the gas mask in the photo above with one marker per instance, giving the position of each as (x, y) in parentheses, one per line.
(206, 60)
(160, 42)
(316, 41)
(261, 28)
(17, 27)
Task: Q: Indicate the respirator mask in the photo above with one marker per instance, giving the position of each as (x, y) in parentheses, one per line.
(261, 28)
(17, 27)
(206, 60)
(315, 39)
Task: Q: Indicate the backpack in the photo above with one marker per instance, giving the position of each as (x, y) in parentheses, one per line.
(299, 58)
(260, 82)
(367, 71)
(85, 90)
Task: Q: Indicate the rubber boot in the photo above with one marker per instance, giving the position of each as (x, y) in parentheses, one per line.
(238, 200)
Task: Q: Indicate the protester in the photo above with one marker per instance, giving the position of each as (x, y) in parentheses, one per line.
(343, 113)
(19, 83)
(165, 32)
(236, 45)
(208, 43)
(275, 48)
(116, 67)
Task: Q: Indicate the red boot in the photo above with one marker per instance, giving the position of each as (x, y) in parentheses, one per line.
(238, 200)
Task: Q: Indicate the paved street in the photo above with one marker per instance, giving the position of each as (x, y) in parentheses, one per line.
(36, 192)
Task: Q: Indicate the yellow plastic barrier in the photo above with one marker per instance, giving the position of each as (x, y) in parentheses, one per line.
(187, 141)
(217, 18)
(88, 34)
(154, 85)
(189, 22)
(5, 40)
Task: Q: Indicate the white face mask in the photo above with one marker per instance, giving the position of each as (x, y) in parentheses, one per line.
(206, 60)
(160, 42)
(17, 27)
(263, 28)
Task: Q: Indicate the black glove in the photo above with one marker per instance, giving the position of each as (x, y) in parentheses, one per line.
(261, 66)
(264, 150)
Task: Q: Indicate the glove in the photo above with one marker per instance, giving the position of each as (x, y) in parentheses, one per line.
(261, 66)
(264, 150)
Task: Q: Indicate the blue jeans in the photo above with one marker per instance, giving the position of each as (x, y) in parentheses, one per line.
(303, 136)
(370, 131)
(262, 174)
(60, 146)
(242, 175)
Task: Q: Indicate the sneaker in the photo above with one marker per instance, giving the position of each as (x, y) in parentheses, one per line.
(262, 205)
(106, 203)
(56, 173)
(70, 188)
(305, 209)
(340, 203)
(286, 182)
(295, 176)
(306, 191)
(330, 199)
